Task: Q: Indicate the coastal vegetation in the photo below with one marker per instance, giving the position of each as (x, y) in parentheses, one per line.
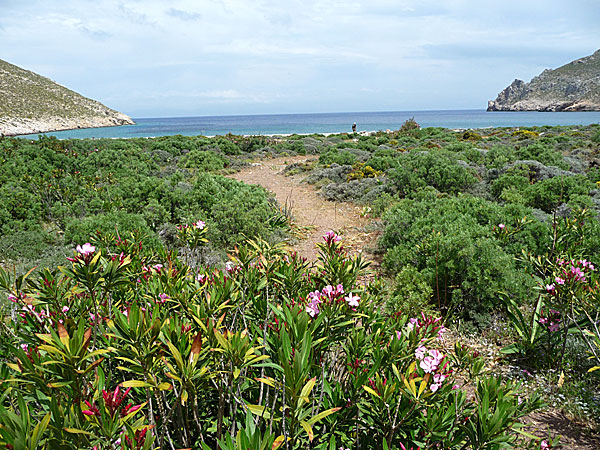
(150, 302)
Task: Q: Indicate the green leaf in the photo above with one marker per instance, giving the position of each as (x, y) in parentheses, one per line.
(323, 414)
(259, 410)
(135, 383)
(308, 429)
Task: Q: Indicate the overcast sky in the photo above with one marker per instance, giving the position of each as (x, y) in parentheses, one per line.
(151, 58)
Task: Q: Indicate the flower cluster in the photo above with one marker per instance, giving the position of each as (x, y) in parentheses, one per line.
(192, 234)
(139, 438)
(330, 237)
(423, 324)
(85, 253)
(551, 320)
(573, 270)
(112, 402)
(330, 295)
(432, 362)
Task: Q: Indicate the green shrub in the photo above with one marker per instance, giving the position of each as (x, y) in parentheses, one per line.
(343, 158)
(451, 241)
(435, 168)
(411, 293)
(79, 231)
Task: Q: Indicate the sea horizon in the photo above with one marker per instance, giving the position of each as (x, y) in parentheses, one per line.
(325, 123)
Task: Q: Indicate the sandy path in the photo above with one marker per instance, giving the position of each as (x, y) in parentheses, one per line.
(308, 208)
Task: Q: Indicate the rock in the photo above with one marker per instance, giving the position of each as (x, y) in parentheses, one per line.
(572, 87)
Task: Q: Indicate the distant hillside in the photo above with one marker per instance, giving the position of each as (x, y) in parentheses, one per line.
(30, 103)
(572, 87)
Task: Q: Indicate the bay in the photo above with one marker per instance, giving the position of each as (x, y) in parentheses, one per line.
(268, 124)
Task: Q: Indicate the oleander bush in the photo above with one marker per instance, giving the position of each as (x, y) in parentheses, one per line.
(122, 348)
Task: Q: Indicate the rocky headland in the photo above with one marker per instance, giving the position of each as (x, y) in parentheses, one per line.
(572, 87)
(31, 103)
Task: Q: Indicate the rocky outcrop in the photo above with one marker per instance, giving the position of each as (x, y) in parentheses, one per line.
(30, 103)
(572, 87)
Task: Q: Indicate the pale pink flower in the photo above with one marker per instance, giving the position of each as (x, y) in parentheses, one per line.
(441, 332)
(501, 226)
(339, 289)
(312, 309)
(201, 277)
(352, 300)
(435, 386)
(544, 445)
(435, 354)
(420, 352)
(398, 335)
(199, 225)
(65, 309)
(429, 364)
(328, 290)
(559, 280)
(550, 287)
(86, 249)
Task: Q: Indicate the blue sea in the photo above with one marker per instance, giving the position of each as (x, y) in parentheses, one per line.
(327, 123)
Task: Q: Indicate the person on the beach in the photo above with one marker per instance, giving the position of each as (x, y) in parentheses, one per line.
(354, 127)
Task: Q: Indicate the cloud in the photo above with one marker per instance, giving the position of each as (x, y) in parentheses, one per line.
(225, 56)
(183, 15)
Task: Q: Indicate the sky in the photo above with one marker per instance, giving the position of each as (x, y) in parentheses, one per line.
(173, 58)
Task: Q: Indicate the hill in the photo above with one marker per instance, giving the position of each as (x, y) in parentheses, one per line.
(572, 87)
(31, 103)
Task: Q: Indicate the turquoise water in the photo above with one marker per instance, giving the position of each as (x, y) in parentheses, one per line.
(328, 123)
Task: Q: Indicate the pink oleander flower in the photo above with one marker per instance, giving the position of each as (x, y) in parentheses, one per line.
(429, 364)
(314, 296)
(65, 309)
(441, 332)
(201, 277)
(550, 288)
(12, 298)
(229, 266)
(339, 289)
(559, 280)
(330, 236)
(420, 352)
(435, 386)
(328, 291)
(398, 335)
(199, 225)
(435, 354)
(163, 298)
(86, 249)
(157, 267)
(312, 309)
(501, 226)
(544, 445)
(553, 328)
(352, 300)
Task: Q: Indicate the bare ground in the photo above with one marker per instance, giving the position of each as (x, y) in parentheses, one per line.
(311, 213)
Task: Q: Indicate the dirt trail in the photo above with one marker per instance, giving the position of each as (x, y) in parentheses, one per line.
(310, 211)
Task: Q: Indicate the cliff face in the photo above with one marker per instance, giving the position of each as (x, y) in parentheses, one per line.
(30, 103)
(572, 87)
